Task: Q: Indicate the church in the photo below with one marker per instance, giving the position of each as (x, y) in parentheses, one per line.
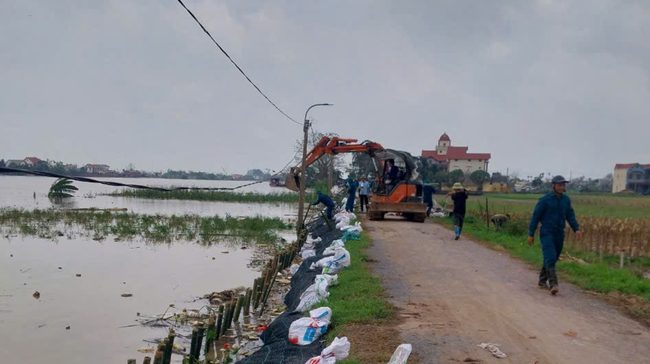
(450, 158)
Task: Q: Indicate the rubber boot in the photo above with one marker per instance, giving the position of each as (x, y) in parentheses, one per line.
(543, 277)
(552, 280)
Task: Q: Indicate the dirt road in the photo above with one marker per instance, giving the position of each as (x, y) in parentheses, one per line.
(455, 295)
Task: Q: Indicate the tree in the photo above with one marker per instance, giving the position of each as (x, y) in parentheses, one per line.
(255, 174)
(456, 175)
(425, 168)
(537, 182)
(362, 165)
(498, 178)
(319, 170)
(62, 188)
(441, 177)
(479, 177)
(606, 183)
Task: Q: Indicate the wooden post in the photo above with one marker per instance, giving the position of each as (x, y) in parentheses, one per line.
(255, 288)
(130, 361)
(158, 358)
(219, 322)
(487, 213)
(247, 302)
(147, 360)
(233, 305)
(622, 259)
(240, 303)
(211, 329)
(199, 342)
(195, 336)
(167, 354)
(224, 326)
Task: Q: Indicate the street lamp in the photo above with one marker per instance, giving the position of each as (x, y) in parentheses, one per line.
(303, 167)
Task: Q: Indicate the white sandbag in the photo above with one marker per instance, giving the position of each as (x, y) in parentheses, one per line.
(306, 330)
(401, 354)
(355, 227)
(342, 223)
(308, 253)
(339, 349)
(294, 268)
(321, 263)
(340, 261)
(331, 250)
(317, 291)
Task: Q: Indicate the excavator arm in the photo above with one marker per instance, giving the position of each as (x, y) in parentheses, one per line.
(331, 146)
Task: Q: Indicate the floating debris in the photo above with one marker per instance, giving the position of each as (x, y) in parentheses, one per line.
(37, 295)
(67, 327)
(78, 275)
(127, 295)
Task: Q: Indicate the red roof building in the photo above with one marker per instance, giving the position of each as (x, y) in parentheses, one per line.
(31, 161)
(633, 177)
(451, 158)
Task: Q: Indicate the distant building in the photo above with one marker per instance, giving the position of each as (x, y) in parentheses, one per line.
(96, 168)
(14, 163)
(70, 167)
(237, 176)
(450, 158)
(30, 161)
(633, 177)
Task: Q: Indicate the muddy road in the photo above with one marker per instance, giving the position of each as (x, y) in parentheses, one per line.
(455, 295)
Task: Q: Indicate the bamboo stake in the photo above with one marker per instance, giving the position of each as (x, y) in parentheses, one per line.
(224, 326)
(147, 360)
(130, 361)
(219, 322)
(167, 354)
(247, 302)
(195, 336)
(240, 303)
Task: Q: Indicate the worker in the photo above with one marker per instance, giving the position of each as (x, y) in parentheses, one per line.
(553, 210)
(364, 191)
(459, 196)
(427, 195)
(325, 200)
(500, 220)
(391, 171)
(352, 186)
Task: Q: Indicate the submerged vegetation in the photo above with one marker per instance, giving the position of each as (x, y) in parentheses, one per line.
(52, 223)
(221, 196)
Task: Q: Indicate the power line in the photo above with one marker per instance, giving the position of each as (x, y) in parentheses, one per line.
(235, 64)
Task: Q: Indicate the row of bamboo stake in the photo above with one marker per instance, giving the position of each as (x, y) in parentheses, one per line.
(219, 322)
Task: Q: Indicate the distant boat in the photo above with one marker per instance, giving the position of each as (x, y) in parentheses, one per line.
(277, 182)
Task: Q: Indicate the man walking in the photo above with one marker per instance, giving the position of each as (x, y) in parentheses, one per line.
(364, 191)
(325, 200)
(459, 196)
(427, 196)
(553, 210)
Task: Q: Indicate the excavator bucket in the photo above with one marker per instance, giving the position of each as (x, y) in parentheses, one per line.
(293, 179)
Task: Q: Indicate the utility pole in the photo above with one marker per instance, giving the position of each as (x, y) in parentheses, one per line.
(303, 168)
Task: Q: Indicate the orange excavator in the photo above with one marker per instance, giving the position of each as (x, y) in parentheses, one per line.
(399, 192)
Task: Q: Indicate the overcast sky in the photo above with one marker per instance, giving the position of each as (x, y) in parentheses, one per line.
(545, 86)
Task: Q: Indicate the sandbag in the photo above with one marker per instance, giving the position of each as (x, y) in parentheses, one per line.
(401, 354)
(306, 330)
(338, 349)
(317, 291)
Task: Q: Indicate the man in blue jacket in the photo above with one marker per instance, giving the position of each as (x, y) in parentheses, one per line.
(352, 186)
(427, 196)
(325, 200)
(553, 210)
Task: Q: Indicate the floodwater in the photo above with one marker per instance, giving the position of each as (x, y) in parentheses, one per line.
(19, 192)
(33, 330)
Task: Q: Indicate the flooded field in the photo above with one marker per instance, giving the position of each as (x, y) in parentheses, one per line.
(79, 314)
(31, 193)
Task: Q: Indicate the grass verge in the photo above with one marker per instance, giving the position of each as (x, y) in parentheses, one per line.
(582, 269)
(219, 196)
(52, 223)
(360, 310)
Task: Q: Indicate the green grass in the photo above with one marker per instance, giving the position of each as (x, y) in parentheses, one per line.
(621, 206)
(596, 276)
(52, 223)
(220, 196)
(359, 296)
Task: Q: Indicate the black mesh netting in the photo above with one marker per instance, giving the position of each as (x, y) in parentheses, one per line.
(277, 348)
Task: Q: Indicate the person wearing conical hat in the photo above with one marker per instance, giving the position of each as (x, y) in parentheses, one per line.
(459, 196)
